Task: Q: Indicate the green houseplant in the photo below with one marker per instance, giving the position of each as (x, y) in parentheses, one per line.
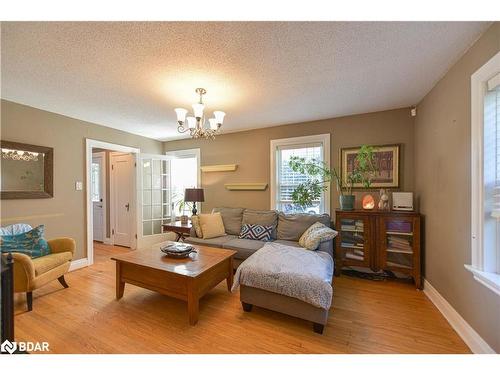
(181, 206)
(320, 174)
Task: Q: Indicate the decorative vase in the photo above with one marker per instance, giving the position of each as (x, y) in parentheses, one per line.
(347, 202)
(184, 219)
(368, 202)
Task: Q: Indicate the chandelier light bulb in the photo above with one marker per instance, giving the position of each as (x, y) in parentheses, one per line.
(219, 116)
(198, 110)
(181, 114)
(191, 122)
(213, 123)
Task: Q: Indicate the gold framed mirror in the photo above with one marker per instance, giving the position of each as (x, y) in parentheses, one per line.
(27, 171)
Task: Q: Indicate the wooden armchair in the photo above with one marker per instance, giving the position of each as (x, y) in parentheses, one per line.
(31, 274)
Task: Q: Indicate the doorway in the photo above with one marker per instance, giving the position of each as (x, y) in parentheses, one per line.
(111, 195)
(98, 193)
(136, 197)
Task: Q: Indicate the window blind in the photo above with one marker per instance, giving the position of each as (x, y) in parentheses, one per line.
(492, 142)
(288, 180)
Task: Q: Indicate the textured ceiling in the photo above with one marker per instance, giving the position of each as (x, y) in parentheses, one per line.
(131, 76)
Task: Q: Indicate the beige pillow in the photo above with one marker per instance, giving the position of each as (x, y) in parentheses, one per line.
(212, 225)
(195, 221)
(316, 234)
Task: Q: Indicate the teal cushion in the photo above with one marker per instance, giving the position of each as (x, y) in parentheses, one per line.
(30, 243)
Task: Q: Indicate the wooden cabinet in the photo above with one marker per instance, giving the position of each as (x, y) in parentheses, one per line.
(379, 240)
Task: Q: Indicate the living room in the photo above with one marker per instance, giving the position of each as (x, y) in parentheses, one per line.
(250, 187)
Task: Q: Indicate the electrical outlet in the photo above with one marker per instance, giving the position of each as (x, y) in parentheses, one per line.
(78, 185)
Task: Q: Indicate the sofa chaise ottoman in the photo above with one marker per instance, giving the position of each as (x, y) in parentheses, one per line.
(288, 279)
(287, 229)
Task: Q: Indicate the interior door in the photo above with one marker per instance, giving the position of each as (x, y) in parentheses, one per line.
(155, 200)
(122, 170)
(97, 173)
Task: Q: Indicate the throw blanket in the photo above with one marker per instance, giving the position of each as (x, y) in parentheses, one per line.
(290, 271)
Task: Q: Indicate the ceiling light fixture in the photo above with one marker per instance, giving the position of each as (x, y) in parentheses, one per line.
(196, 124)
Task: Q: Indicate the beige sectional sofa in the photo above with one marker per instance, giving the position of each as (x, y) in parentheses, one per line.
(287, 230)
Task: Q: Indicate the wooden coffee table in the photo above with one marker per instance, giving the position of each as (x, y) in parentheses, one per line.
(187, 279)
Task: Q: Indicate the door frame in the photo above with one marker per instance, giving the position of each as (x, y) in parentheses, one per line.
(89, 145)
(103, 186)
(133, 200)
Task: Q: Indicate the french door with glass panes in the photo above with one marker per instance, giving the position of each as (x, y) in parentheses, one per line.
(155, 194)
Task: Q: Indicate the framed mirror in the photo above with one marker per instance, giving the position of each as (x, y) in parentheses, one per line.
(27, 171)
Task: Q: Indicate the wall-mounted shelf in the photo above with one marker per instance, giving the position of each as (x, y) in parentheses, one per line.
(246, 186)
(219, 168)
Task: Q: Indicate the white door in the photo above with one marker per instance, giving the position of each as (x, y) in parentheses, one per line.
(97, 174)
(122, 174)
(154, 198)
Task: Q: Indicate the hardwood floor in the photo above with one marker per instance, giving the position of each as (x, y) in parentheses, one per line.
(367, 317)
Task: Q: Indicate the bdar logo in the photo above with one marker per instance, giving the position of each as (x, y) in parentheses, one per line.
(8, 347)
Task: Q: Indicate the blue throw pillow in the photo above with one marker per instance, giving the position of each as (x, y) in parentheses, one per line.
(256, 232)
(30, 243)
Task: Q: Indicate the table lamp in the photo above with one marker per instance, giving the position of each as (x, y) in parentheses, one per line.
(194, 195)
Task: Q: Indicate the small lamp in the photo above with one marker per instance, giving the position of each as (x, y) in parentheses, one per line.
(368, 202)
(194, 195)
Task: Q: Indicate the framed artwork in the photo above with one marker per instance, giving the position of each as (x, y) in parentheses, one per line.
(386, 162)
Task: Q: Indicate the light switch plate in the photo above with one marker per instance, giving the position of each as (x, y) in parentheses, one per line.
(78, 185)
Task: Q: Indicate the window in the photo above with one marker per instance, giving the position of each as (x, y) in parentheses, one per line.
(485, 178)
(284, 180)
(185, 173)
(95, 181)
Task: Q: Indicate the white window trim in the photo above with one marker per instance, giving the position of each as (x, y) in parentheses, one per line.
(478, 88)
(318, 138)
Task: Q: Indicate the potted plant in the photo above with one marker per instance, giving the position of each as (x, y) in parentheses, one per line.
(181, 207)
(320, 174)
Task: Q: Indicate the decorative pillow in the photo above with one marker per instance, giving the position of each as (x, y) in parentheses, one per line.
(212, 225)
(15, 229)
(292, 226)
(195, 221)
(261, 217)
(316, 234)
(231, 217)
(256, 232)
(30, 243)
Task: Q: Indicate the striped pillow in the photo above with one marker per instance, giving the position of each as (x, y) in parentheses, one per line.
(256, 232)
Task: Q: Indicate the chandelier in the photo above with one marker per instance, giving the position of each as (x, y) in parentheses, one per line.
(196, 124)
(19, 155)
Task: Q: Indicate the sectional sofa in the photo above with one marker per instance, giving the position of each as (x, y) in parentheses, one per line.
(287, 230)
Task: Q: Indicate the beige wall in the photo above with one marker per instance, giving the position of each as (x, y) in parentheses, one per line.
(63, 215)
(442, 182)
(251, 151)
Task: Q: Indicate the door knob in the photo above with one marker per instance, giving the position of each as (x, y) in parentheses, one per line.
(128, 206)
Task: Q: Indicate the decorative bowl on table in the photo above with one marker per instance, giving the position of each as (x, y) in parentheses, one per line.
(177, 250)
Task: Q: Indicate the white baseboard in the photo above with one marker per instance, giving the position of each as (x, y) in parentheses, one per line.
(79, 263)
(471, 338)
